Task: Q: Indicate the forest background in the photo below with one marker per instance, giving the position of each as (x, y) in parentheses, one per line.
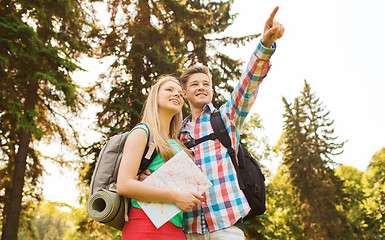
(325, 43)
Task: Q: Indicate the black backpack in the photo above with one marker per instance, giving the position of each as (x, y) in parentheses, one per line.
(105, 205)
(250, 177)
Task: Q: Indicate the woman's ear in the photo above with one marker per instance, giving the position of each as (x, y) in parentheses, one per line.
(184, 94)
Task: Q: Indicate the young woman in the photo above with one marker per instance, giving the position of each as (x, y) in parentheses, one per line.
(162, 112)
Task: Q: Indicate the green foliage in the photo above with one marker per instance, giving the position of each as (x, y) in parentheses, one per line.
(308, 192)
(283, 208)
(255, 140)
(375, 221)
(309, 146)
(365, 205)
(39, 44)
(256, 227)
(84, 228)
(356, 204)
(157, 38)
(377, 167)
(52, 221)
(46, 222)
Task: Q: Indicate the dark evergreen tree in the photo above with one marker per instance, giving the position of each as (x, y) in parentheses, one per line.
(309, 146)
(39, 42)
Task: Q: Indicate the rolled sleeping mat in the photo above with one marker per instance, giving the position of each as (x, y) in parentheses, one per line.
(107, 207)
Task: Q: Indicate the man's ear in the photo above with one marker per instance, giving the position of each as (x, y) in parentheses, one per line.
(184, 94)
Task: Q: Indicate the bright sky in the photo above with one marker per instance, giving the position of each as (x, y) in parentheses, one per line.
(336, 45)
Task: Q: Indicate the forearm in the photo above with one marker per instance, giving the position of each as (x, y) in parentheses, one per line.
(256, 70)
(246, 91)
(143, 192)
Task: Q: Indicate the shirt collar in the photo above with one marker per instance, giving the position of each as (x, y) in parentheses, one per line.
(207, 108)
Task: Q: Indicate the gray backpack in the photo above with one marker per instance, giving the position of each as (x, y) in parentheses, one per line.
(105, 205)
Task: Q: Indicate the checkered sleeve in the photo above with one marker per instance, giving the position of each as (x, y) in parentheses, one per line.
(246, 90)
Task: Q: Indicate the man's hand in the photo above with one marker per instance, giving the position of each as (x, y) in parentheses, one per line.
(273, 30)
(143, 175)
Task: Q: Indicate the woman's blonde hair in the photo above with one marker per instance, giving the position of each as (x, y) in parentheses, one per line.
(150, 116)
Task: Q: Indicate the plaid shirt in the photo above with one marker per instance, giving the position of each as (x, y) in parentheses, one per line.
(224, 203)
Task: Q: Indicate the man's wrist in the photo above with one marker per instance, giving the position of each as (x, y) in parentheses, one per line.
(268, 46)
(263, 52)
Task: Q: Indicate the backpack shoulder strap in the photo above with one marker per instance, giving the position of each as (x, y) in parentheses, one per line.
(150, 150)
(194, 142)
(223, 136)
(219, 133)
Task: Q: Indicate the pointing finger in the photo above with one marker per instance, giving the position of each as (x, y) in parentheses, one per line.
(272, 15)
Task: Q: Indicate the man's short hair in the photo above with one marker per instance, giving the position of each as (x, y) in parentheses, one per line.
(192, 70)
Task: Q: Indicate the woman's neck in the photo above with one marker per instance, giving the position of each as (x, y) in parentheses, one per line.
(165, 120)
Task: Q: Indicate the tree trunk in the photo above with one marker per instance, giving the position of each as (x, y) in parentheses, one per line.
(12, 213)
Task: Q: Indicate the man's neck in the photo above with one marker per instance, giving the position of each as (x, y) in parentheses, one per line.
(195, 112)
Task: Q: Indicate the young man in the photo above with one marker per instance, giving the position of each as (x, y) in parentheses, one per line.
(224, 204)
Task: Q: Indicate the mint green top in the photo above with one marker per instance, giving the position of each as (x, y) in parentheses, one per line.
(154, 165)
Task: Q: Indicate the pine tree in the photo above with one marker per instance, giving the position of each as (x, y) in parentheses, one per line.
(39, 42)
(309, 146)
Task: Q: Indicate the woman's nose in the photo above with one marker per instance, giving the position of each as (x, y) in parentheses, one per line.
(177, 94)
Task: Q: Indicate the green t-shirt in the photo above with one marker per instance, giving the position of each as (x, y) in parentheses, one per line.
(154, 165)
